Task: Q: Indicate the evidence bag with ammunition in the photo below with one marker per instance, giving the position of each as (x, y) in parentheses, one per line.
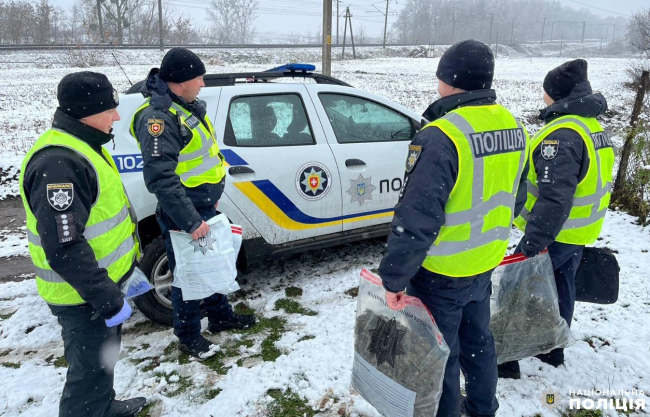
(208, 265)
(524, 311)
(399, 356)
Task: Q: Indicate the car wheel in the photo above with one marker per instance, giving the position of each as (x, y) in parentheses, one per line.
(157, 303)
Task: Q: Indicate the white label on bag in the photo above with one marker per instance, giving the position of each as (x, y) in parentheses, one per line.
(389, 398)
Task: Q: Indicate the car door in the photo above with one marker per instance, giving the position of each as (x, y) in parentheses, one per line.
(369, 137)
(281, 172)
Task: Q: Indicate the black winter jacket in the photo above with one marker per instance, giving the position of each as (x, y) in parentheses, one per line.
(565, 170)
(174, 198)
(73, 259)
(420, 212)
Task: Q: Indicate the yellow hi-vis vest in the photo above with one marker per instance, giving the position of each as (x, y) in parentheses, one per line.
(110, 229)
(200, 162)
(592, 195)
(492, 148)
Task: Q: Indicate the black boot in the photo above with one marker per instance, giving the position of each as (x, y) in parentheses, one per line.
(509, 370)
(554, 358)
(200, 348)
(233, 321)
(125, 408)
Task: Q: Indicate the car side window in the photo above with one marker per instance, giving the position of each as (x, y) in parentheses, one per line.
(355, 119)
(268, 120)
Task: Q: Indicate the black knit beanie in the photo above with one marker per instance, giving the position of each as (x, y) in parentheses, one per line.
(560, 81)
(180, 65)
(468, 65)
(82, 94)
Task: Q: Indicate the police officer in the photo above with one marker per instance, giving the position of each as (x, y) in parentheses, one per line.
(82, 240)
(184, 169)
(569, 187)
(464, 172)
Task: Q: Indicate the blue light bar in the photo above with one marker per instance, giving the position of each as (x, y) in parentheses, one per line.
(293, 68)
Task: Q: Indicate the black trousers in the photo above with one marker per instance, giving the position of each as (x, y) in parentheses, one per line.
(92, 350)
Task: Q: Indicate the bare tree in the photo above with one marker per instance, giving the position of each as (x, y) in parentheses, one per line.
(244, 17)
(638, 32)
(361, 34)
(116, 12)
(232, 20)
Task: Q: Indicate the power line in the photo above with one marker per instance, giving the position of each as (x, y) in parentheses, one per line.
(598, 8)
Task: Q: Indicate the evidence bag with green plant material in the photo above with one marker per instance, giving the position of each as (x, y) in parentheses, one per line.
(399, 356)
(524, 311)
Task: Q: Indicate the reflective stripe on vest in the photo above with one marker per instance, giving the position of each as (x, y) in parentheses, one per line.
(110, 229)
(510, 138)
(576, 230)
(202, 165)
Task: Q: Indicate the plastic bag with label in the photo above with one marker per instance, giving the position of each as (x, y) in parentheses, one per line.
(207, 265)
(399, 356)
(524, 312)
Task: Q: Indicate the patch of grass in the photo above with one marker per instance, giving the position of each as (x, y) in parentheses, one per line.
(293, 292)
(10, 365)
(171, 348)
(583, 413)
(7, 316)
(144, 327)
(353, 292)
(242, 308)
(288, 403)
(60, 362)
(307, 337)
(145, 346)
(146, 411)
(30, 329)
(211, 393)
(183, 358)
(269, 352)
(293, 307)
(153, 365)
(4, 353)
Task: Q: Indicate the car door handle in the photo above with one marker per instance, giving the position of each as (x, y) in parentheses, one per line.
(354, 163)
(237, 170)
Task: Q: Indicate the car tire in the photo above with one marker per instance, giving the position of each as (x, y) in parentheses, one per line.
(156, 304)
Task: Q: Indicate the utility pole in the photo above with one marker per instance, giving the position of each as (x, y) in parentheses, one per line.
(543, 27)
(160, 25)
(354, 52)
(552, 29)
(512, 32)
(584, 26)
(453, 29)
(561, 44)
(614, 34)
(327, 38)
(99, 18)
(496, 44)
(348, 17)
(491, 22)
(385, 25)
(338, 17)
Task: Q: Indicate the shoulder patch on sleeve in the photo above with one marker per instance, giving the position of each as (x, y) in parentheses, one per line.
(156, 127)
(549, 148)
(60, 196)
(412, 158)
(65, 228)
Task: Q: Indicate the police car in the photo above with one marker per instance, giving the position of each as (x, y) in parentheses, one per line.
(310, 164)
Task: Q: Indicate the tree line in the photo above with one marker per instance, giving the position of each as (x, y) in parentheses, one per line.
(123, 22)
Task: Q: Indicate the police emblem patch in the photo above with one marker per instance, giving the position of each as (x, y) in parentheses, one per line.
(60, 196)
(550, 400)
(155, 127)
(313, 181)
(412, 158)
(203, 244)
(361, 189)
(549, 148)
(116, 97)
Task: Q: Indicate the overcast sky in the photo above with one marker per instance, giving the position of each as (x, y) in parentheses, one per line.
(305, 16)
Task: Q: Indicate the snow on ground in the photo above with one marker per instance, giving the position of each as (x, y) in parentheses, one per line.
(305, 354)
(315, 350)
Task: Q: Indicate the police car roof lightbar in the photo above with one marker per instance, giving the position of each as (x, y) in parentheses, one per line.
(293, 68)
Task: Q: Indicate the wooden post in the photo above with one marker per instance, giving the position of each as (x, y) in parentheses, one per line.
(621, 175)
(326, 56)
(354, 52)
(345, 32)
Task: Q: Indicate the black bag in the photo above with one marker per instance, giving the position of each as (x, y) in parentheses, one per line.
(597, 277)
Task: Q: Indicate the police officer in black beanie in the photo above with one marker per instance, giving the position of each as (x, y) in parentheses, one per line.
(64, 175)
(560, 153)
(170, 123)
(428, 254)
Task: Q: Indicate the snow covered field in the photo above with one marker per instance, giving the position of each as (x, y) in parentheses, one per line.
(299, 358)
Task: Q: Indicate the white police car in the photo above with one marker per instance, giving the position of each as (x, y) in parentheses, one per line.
(310, 164)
